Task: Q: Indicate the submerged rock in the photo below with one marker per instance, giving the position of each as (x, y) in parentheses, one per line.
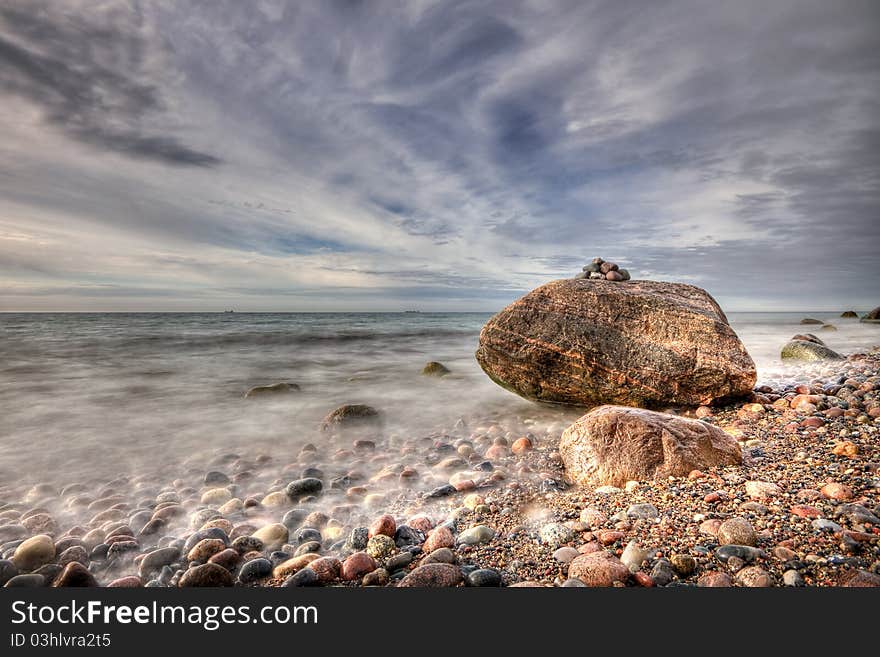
(352, 415)
(849, 313)
(271, 390)
(588, 342)
(435, 369)
(803, 350)
(615, 444)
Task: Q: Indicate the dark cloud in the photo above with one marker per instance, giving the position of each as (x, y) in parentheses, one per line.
(84, 77)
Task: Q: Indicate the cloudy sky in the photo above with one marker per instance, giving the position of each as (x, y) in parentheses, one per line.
(436, 155)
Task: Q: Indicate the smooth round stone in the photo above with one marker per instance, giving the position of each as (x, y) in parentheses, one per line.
(308, 535)
(357, 565)
(245, 544)
(555, 534)
(684, 564)
(484, 577)
(276, 500)
(289, 566)
(642, 511)
(294, 518)
(216, 478)
(156, 559)
(34, 552)
(255, 569)
(358, 538)
(29, 580)
(399, 561)
(381, 547)
(440, 537)
(74, 553)
(384, 524)
(200, 517)
(300, 488)
(754, 577)
(216, 496)
(378, 577)
(12, 532)
(440, 555)
(662, 572)
(476, 535)
(234, 505)
(634, 555)
(434, 575)
(205, 549)
(213, 532)
(75, 574)
(304, 577)
(823, 525)
(565, 554)
(736, 531)
(326, 568)
(308, 546)
(273, 536)
(208, 574)
(227, 558)
(573, 584)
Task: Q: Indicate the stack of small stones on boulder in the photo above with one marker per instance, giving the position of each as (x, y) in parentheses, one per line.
(600, 269)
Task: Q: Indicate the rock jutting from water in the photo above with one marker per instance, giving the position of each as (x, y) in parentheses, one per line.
(588, 342)
(808, 350)
(276, 389)
(873, 316)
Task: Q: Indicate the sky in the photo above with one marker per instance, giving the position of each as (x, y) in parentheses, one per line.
(329, 155)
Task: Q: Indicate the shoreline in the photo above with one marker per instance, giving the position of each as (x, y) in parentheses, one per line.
(522, 522)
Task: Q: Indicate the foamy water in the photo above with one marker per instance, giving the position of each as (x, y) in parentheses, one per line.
(100, 395)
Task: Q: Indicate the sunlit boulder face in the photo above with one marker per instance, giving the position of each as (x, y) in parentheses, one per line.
(590, 342)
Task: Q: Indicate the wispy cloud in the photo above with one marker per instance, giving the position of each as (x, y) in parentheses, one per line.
(332, 155)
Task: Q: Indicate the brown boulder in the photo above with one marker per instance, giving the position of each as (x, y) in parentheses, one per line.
(873, 316)
(433, 575)
(588, 342)
(352, 416)
(611, 445)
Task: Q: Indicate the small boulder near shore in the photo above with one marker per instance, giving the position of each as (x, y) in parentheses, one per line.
(271, 390)
(585, 342)
(352, 416)
(611, 445)
(810, 320)
(873, 316)
(434, 368)
(808, 351)
(849, 314)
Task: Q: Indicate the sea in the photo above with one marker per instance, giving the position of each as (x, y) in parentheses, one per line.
(115, 393)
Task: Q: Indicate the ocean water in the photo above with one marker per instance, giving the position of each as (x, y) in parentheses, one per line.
(97, 395)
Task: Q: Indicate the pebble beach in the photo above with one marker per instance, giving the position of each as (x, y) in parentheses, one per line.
(480, 500)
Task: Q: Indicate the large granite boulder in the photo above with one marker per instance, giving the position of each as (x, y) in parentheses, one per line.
(611, 445)
(589, 342)
(873, 316)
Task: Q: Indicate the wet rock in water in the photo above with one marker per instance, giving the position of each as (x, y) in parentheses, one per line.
(205, 549)
(27, 580)
(245, 544)
(434, 368)
(828, 327)
(807, 337)
(75, 575)
(736, 531)
(129, 582)
(810, 320)
(615, 444)
(583, 343)
(209, 574)
(352, 416)
(442, 491)
(300, 488)
(849, 314)
(156, 559)
(216, 478)
(873, 316)
(802, 350)
(74, 553)
(434, 575)
(273, 390)
(254, 570)
(34, 552)
(308, 535)
(272, 536)
(484, 577)
(600, 568)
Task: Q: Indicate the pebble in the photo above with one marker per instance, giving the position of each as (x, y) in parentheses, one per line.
(383, 525)
(754, 577)
(300, 488)
(75, 574)
(34, 552)
(836, 491)
(744, 552)
(381, 547)
(254, 570)
(823, 525)
(439, 537)
(304, 577)
(476, 535)
(28, 580)
(326, 568)
(434, 575)
(598, 569)
(792, 577)
(272, 536)
(555, 534)
(484, 577)
(736, 531)
(715, 579)
(634, 555)
(565, 554)
(205, 549)
(378, 577)
(440, 555)
(208, 574)
(642, 511)
(684, 564)
(662, 573)
(357, 565)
